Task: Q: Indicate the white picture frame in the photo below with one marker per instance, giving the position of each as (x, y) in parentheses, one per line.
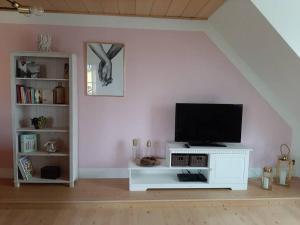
(105, 69)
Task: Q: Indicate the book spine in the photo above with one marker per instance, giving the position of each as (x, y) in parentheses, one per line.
(22, 171)
(32, 95)
(22, 95)
(18, 90)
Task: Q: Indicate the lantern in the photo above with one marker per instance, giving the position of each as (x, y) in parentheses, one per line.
(284, 167)
(267, 178)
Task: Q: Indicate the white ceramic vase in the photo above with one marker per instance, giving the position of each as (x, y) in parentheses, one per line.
(44, 42)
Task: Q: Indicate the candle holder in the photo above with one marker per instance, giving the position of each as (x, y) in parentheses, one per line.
(136, 152)
(267, 178)
(284, 167)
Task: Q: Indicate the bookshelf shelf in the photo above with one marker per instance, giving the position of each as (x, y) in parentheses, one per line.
(41, 153)
(45, 130)
(47, 105)
(37, 180)
(42, 79)
(27, 95)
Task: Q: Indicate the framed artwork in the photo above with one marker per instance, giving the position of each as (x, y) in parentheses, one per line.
(105, 69)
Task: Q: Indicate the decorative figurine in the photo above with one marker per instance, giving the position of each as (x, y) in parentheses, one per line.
(50, 146)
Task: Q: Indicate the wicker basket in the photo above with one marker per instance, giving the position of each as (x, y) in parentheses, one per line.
(199, 160)
(180, 160)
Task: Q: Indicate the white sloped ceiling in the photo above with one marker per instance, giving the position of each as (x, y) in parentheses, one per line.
(264, 50)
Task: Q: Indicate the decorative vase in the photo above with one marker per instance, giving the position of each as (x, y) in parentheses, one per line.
(44, 42)
(59, 94)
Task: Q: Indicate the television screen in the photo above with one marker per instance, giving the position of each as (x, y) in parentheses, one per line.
(208, 123)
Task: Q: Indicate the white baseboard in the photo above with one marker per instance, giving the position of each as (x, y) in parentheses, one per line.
(6, 173)
(96, 173)
(255, 172)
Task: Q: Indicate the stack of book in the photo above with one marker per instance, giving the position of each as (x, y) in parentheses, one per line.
(25, 167)
(28, 95)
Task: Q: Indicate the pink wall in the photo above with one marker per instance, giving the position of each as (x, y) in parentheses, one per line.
(162, 68)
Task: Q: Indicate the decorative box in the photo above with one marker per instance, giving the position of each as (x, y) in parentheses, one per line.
(28, 143)
(50, 172)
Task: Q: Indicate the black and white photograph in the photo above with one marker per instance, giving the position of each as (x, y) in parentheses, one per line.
(105, 69)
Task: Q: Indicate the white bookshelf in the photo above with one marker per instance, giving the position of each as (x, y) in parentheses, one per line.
(62, 126)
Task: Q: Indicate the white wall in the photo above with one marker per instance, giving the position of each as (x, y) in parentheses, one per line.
(285, 18)
(257, 43)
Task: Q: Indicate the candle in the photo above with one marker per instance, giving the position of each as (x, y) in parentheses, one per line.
(282, 177)
(266, 183)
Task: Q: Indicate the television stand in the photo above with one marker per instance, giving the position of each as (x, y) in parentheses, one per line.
(205, 144)
(226, 168)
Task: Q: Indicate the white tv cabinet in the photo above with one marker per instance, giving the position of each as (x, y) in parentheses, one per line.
(227, 168)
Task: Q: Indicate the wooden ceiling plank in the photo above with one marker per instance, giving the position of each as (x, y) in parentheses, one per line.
(160, 7)
(59, 6)
(143, 7)
(126, 7)
(4, 3)
(177, 7)
(193, 8)
(209, 9)
(110, 7)
(76, 6)
(37, 3)
(26, 2)
(196, 9)
(93, 6)
(45, 4)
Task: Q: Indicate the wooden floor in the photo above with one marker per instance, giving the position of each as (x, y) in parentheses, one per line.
(109, 202)
(116, 190)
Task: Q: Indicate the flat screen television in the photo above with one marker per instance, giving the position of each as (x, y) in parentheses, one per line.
(208, 124)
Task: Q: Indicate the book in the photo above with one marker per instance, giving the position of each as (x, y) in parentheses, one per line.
(26, 168)
(22, 95)
(32, 96)
(21, 172)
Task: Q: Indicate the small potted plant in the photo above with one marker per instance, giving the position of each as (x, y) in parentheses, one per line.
(39, 122)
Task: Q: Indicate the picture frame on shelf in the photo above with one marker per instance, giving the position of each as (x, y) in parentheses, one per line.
(105, 69)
